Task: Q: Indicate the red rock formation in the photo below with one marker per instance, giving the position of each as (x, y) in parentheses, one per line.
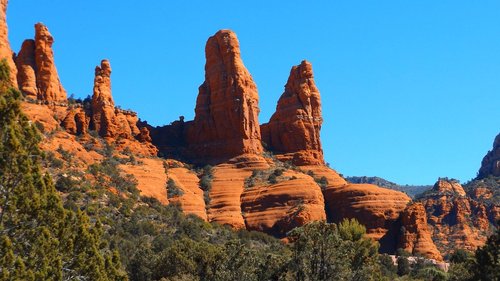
(491, 162)
(294, 129)
(448, 186)
(377, 208)
(191, 198)
(416, 237)
(26, 65)
(5, 50)
(103, 106)
(278, 208)
(76, 122)
(226, 122)
(47, 80)
(455, 220)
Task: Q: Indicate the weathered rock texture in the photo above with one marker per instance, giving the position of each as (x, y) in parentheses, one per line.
(456, 220)
(294, 129)
(26, 65)
(5, 50)
(38, 77)
(226, 122)
(416, 237)
(491, 162)
(278, 208)
(377, 208)
(47, 80)
(448, 186)
(103, 106)
(190, 198)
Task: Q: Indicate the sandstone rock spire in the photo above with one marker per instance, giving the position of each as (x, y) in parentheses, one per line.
(103, 106)
(26, 66)
(47, 79)
(37, 77)
(294, 129)
(5, 50)
(226, 122)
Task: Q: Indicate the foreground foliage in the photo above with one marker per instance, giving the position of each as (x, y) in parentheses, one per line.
(39, 239)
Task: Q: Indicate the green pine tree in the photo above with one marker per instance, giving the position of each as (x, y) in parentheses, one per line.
(39, 239)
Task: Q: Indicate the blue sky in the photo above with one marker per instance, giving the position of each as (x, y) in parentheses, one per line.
(410, 89)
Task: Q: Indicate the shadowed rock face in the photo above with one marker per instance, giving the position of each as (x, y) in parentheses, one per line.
(294, 128)
(491, 162)
(416, 237)
(26, 64)
(226, 122)
(37, 74)
(5, 50)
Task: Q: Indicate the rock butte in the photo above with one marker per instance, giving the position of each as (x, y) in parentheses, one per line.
(226, 132)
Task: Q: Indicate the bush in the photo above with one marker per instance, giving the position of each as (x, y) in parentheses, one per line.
(173, 190)
(272, 179)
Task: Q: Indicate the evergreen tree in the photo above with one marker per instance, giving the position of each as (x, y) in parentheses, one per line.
(39, 239)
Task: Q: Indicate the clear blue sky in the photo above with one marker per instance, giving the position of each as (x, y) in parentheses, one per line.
(410, 89)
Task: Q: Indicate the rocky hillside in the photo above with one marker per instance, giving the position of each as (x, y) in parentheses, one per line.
(223, 166)
(411, 190)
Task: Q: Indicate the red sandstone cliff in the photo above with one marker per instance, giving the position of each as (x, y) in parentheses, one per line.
(294, 129)
(226, 122)
(5, 50)
(416, 237)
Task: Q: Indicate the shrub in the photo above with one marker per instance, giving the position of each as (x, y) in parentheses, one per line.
(173, 190)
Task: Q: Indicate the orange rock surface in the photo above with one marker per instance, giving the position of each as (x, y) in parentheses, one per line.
(491, 162)
(319, 171)
(191, 201)
(449, 186)
(455, 220)
(26, 65)
(278, 208)
(5, 50)
(294, 129)
(37, 73)
(226, 122)
(225, 192)
(47, 80)
(375, 207)
(103, 106)
(151, 178)
(416, 237)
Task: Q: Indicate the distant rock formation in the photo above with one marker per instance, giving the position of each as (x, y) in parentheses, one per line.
(416, 237)
(448, 186)
(37, 73)
(226, 122)
(491, 162)
(455, 218)
(294, 129)
(5, 50)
